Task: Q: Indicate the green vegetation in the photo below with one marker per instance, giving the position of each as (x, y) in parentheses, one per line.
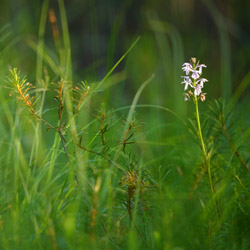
(118, 160)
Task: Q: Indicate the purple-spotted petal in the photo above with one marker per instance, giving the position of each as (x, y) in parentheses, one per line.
(197, 90)
(200, 66)
(201, 81)
(187, 67)
(195, 75)
(187, 81)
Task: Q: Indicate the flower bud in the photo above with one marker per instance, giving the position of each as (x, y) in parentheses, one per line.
(203, 98)
(193, 60)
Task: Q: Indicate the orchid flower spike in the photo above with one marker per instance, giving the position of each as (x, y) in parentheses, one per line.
(192, 79)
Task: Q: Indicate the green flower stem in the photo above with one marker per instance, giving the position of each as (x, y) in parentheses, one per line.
(205, 154)
(199, 128)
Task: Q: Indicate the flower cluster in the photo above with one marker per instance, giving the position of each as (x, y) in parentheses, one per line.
(193, 79)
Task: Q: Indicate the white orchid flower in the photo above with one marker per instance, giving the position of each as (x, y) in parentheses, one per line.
(195, 75)
(200, 68)
(201, 81)
(197, 89)
(187, 67)
(187, 81)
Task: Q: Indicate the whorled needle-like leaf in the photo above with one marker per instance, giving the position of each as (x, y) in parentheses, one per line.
(21, 87)
(79, 94)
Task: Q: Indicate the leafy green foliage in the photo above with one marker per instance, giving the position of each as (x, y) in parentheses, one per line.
(81, 170)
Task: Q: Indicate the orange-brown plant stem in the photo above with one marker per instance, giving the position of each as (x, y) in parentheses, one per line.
(127, 136)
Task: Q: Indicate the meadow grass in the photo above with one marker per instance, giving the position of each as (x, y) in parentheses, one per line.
(78, 172)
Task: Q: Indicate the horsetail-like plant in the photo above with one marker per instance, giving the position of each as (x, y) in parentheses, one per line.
(22, 88)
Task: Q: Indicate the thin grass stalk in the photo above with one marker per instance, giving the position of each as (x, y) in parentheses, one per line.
(38, 138)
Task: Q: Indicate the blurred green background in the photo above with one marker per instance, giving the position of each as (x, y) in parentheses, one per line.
(171, 31)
